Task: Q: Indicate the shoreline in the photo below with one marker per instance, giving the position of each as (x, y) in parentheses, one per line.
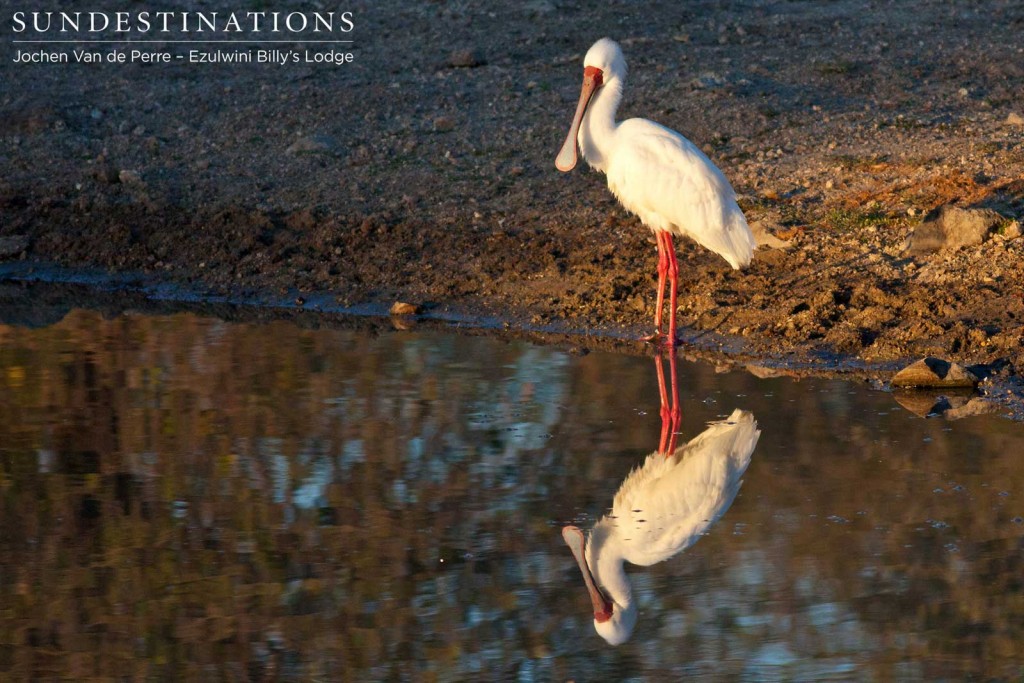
(119, 293)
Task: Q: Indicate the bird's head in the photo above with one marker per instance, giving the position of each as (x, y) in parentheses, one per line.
(604, 66)
(619, 628)
(612, 622)
(606, 56)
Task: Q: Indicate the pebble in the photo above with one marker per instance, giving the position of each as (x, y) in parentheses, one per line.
(403, 308)
(465, 59)
(443, 124)
(1014, 119)
(129, 177)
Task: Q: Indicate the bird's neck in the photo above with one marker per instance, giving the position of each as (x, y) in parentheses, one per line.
(597, 131)
(606, 561)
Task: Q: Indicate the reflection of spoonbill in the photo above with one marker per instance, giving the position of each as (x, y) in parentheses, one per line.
(654, 172)
(661, 509)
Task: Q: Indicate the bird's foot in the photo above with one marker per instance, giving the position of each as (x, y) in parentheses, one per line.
(660, 339)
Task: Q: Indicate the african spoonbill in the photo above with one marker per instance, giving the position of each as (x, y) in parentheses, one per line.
(655, 173)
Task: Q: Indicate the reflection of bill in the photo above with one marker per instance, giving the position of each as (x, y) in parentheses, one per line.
(661, 509)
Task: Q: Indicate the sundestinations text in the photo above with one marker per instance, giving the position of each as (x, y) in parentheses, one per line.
(184, 22)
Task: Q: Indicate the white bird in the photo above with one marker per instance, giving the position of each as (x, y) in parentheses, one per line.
(655, 173)
(661, 509)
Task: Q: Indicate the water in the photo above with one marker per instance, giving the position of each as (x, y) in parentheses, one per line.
(185, 497)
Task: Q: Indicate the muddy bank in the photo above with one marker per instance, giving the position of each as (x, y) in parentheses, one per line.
(424, 172)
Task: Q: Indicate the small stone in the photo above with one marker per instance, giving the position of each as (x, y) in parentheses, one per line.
(443, 124)
(935, 372)
(402, 308)
(1010, 230)
(1014, 119)
(465, 59)
(765, 237)
(12, 245)
(313, 144)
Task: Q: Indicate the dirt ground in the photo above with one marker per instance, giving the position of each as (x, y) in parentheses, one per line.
(424, 170)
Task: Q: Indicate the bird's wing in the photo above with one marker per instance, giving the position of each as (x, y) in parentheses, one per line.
(663, 507)
(671, 185)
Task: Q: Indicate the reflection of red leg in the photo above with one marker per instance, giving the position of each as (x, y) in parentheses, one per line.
(662, 271)
(666, 427)
(671, 412)
(673, 278)
(677, 410)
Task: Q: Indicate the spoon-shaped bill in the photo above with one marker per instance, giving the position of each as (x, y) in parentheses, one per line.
(566, 159)
(575, 540)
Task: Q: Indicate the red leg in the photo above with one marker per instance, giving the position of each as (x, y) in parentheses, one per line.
(673, 278)
(663, 265)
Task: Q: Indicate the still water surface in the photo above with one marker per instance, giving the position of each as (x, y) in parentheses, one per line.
(186, 497)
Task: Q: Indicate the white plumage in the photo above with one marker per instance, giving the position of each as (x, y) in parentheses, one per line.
(668, 182)
(655, 173)
(661, 509)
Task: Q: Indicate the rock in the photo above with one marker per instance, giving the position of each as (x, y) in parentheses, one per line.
(443, 124)
(12, 245)
(402, 308)
(935, 372)
(1014, 119)
(764, 237)
(313, 144)
(465, 59)
(951, 227)
(1010, 230)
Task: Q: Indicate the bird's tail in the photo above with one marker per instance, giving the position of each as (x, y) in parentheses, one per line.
(732, 239)
(736, 436)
